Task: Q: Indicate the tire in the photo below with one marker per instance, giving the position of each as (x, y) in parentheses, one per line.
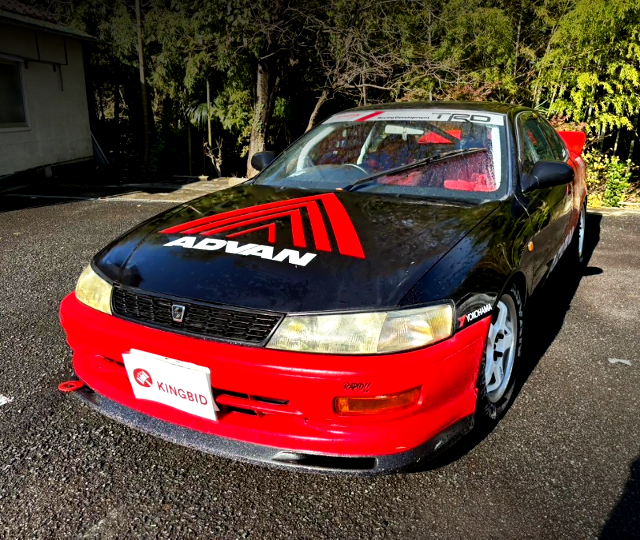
(498, 370)
(576, 248)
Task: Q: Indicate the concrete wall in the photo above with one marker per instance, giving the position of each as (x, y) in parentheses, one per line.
(58, 118)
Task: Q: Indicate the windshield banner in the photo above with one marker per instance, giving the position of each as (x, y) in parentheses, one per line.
(427, 115)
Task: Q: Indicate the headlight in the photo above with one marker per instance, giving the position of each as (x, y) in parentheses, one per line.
(364, 333)
(94, 291)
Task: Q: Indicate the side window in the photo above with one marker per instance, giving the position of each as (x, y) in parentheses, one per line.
(12, 109)
(534, 146)
(554, 140)
(340, 146)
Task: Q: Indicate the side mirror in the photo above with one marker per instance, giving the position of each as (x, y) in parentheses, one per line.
(546, 174)
(260, 160)
(574, 140)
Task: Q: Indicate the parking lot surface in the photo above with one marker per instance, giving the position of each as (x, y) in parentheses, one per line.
(563, 463)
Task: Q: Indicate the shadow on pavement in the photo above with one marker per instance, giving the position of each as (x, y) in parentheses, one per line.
(541, 326)
(32, 191)
(624, 521)
(547, 308)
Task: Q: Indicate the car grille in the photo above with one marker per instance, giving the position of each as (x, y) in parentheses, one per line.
(202, 320)
(252, 405)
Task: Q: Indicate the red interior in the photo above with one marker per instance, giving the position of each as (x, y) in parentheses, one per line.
(479, 182)
(433, 138)
(467, 173)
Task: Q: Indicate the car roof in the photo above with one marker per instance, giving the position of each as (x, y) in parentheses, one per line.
(487, 106)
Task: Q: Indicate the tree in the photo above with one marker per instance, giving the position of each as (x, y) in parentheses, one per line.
(592, 67)
(265, 36)
(479, 38)
(274, 66)
(143, 84)
(353, 53)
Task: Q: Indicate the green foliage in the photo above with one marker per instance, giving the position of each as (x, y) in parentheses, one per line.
(167, 150)
(618, 175)
(592, 68)
(576, 59)
(480, 39)
(607, 178)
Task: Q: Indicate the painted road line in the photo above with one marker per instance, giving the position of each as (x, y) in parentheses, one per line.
(619, 361)
(4, 400)
(79, 198)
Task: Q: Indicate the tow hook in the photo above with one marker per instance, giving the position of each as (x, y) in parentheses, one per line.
(70, 386)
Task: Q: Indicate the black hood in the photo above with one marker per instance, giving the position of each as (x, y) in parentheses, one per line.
(374, 250)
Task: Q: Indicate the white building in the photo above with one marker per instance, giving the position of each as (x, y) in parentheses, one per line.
(44, 117)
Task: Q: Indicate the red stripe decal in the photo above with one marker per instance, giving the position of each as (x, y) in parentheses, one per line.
(271, 228)
(297, 230)
(319, 231)
(237, 221)
(369, 116)
(240, 212)
(343, 230)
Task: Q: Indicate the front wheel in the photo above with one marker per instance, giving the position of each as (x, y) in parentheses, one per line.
(502, 352)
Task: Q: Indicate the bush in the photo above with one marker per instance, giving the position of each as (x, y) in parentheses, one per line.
(607, 178)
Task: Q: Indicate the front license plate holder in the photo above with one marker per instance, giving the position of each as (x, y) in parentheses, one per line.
(181, 385)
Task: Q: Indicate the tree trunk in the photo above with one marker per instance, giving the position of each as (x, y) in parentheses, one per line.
(633, 140)
(517, 48)
(217, 158)
(90, 90)
(116, 121)
(260, 116)
(189, 139)
(321, 100)
(208, 114)
(143, 87)
(615, 145)
(364, 90)
(101, 103)
(536, 95)
(553, 96)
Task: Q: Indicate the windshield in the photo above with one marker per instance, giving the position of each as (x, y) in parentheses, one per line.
(422, 152)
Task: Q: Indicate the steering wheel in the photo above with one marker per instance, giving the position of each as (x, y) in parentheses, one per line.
(356, 166)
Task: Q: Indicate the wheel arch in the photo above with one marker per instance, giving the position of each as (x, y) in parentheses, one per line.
(520, 281)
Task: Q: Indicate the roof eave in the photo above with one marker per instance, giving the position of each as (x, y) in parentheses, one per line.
(44, 26)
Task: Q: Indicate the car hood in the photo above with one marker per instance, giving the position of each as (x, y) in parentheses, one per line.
(353, 250)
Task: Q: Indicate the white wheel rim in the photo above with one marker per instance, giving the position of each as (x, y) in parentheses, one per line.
(581, 227)
(501, 350)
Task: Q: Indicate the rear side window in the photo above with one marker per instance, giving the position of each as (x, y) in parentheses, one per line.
(533, 144)
(554, 140)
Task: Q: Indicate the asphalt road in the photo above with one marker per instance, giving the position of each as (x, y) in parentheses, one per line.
(563, 463)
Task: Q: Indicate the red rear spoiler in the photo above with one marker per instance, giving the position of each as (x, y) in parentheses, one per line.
(574, 140)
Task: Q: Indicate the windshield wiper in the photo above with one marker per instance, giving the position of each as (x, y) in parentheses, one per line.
(426, 161)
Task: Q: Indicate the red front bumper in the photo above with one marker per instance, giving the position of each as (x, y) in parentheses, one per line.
(285, 399)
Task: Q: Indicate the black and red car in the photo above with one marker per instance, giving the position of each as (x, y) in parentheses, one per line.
(356, 307)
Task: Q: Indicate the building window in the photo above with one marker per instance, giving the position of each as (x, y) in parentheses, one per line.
(12, 109)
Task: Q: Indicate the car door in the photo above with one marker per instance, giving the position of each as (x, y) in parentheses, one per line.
(574, 195)
(549, 208)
